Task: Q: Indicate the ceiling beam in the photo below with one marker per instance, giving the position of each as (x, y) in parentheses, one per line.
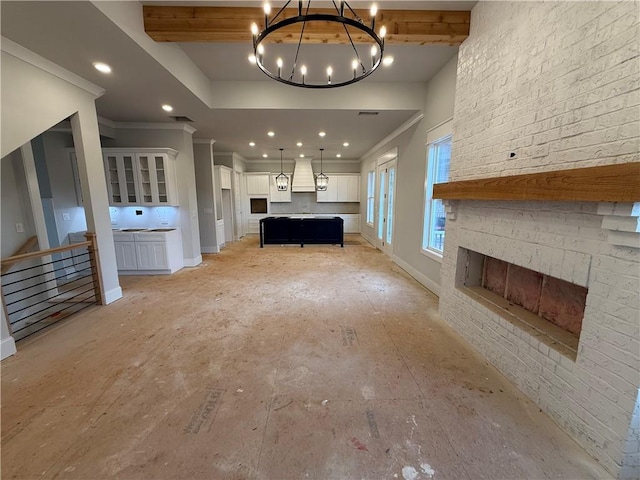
(232, 25)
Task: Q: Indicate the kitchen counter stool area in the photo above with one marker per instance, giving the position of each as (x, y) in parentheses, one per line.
(291, 230)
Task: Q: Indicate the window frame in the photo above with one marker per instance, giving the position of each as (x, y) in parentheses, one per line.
(371, 198)
(436, 136)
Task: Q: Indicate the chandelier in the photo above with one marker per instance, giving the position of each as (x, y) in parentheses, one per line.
(291, 73)
(322, 181)
(282, 181)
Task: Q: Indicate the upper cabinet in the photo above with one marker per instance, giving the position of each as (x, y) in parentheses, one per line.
(257, 183)
(225, 178)
(141, 176)
(341, 188)
(278, 195)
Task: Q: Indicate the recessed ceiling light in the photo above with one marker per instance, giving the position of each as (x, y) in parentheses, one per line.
(338, 155)
(252, 144)
(302, 155)
(264, 155)
(322, 134)
(345, 144)
(167, 108)
(386, 61)
(102, 67)
(271, 134)
(299, 144)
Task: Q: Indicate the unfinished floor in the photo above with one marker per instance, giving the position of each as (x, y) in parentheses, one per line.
(274, 363)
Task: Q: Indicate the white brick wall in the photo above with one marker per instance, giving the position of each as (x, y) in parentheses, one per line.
(557, 83)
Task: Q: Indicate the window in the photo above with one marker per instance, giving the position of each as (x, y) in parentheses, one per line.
(439, 157)
(371, 191)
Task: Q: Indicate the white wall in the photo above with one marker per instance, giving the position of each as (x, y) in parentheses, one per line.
(556, 83)
(179, 138)
(63, 188)
(203, 157)
(412, 157)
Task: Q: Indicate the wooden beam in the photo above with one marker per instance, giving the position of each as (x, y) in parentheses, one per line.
(232, 25)
(607, 183)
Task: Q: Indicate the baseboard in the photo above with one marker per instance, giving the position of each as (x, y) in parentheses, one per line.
(193, 262)
(7, 348)
(368, 239)
(209, 249)
(420, 277)
(112, 295)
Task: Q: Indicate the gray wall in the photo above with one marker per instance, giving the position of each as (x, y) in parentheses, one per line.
(16, 206)
(62, 185)
(202, 155)
(412, 157)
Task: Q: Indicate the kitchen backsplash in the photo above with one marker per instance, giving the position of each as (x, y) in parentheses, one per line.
(150, 217)
(306, 203)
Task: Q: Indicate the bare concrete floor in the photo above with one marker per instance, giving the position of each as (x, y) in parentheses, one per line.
(274, 363)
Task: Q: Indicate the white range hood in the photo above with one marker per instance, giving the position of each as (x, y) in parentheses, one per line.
(303, 179)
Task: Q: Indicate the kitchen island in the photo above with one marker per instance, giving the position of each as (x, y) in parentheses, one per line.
(292, 230)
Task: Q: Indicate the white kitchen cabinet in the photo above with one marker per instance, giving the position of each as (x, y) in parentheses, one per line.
(257, 183)
(276, 195)
(126, 258)
(151, 255)
(341, 188)
(348, 188)
(122, 177)
(138, 176)
(225, 178)
(148, 252)
(351, 222)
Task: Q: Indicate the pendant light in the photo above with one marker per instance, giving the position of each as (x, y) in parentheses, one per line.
(282, 181)
(321, 179)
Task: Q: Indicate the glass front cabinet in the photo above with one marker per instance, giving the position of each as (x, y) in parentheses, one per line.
(141, 176)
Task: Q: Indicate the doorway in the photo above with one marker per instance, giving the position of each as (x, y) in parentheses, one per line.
(386, 177)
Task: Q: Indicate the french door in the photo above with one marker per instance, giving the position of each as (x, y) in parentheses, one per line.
(387, 173)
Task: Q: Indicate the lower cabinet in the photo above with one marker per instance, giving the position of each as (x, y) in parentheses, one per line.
(152, 255)
(148, 252)
(126, 258)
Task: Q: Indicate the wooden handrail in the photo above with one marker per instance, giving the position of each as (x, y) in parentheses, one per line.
(607, 183)
(27, 246)
(41, 253)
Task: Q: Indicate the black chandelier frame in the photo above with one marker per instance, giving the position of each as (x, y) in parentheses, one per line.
(305, 18)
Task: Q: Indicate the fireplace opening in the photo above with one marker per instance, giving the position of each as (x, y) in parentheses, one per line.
(548, 308)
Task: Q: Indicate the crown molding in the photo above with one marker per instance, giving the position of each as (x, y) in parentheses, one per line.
(12, 48)
(204, 141)
(155, 126)
(397, 132)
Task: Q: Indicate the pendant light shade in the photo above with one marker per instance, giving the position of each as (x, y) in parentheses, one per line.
(282, 181)
(321, 179)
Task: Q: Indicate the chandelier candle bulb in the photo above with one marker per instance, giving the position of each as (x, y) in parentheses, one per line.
(279, 64)
(354, 66)
(329, 72)
(254, 29)
(303, 71)
(383, 31)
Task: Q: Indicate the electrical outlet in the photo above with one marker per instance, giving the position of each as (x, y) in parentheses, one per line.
(19, 228)
(66, 217)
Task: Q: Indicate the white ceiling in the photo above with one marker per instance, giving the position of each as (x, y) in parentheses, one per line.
(76, 34)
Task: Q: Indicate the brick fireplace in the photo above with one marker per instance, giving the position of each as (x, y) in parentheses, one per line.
(544, 87)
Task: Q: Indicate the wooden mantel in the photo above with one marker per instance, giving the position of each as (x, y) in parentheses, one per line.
(166, 23)
(607, 183)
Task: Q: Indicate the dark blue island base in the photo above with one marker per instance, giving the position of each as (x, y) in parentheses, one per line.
(287, 230)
